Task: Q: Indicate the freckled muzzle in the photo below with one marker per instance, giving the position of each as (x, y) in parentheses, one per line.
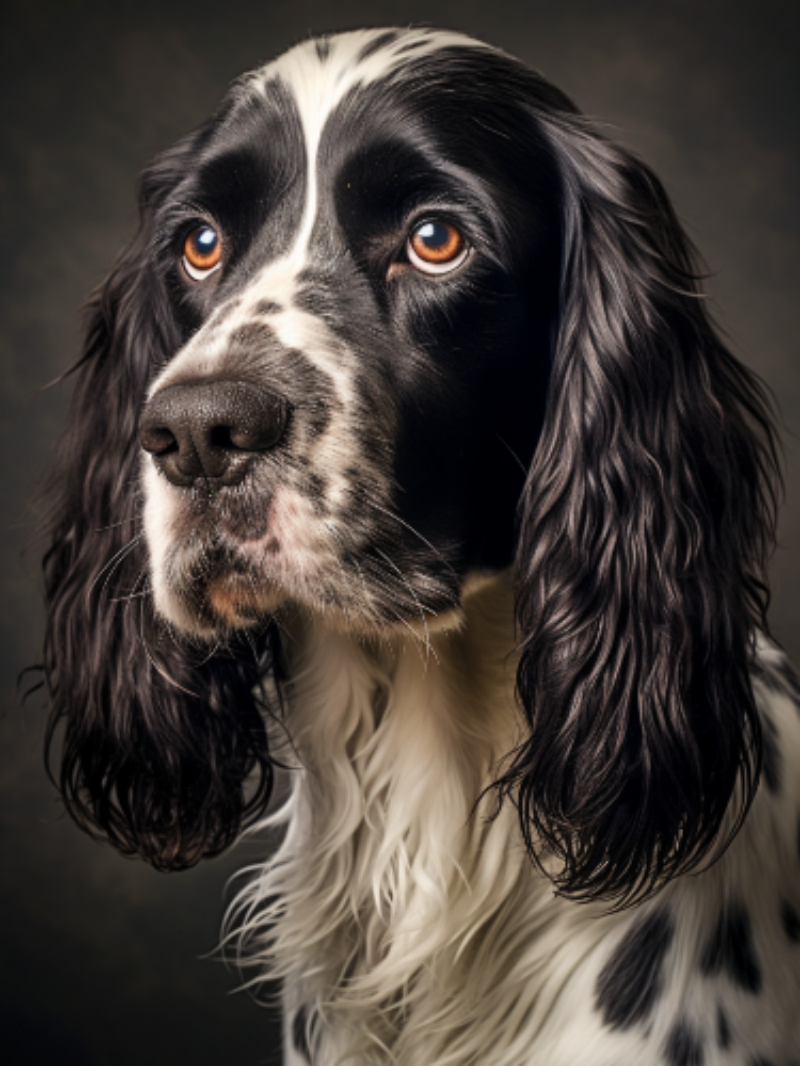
(211, 431)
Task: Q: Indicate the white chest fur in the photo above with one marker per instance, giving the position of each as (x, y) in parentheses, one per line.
(400, 910)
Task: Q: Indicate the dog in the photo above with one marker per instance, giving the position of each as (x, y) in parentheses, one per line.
(407, 477)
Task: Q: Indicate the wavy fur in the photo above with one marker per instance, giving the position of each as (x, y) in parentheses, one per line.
(646, 524)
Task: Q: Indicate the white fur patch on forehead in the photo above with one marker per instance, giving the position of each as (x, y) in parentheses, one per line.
(321, 71)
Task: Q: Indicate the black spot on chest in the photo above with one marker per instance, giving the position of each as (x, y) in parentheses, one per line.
(683, 1048)
(630, 983)
(730, 951)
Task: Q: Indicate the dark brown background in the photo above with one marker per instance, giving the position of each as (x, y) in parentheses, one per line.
(100, 957)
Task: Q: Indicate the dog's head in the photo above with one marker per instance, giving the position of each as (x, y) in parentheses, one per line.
(363, 255)
(395, 315)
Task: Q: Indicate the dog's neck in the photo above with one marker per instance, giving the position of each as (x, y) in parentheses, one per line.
(427, 687)
(390, 854)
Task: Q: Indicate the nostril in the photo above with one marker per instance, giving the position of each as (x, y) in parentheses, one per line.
(237, 438)
(158, 440)
(258, 428)
(223, 437)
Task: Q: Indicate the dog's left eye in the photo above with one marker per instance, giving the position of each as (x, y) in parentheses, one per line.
(202, 252)
(436, 247)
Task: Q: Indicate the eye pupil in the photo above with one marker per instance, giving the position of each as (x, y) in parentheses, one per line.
(206, 239)
(433, 234)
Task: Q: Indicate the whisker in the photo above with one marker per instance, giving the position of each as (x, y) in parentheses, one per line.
(331, 529)
(416, 532)
(133, 594)
(428, 646)
(115, 560)
(513, 454)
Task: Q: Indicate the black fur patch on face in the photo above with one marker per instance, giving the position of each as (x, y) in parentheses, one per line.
(730, 951)
(790, 920)
(464, 358)
(683, 1048)
(759, 1061)
(723, 1029)
(631, 981)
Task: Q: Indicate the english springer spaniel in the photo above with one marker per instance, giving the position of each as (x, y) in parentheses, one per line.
(406, 469)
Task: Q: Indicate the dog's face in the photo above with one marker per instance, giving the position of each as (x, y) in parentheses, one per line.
(363, 256)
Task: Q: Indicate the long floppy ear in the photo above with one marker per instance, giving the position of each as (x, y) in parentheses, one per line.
(159, 743)
(645, 526)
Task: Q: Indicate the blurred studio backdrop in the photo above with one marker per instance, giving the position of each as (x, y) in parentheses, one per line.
(101, 957)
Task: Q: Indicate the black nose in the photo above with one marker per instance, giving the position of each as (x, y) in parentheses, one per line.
(211, 430)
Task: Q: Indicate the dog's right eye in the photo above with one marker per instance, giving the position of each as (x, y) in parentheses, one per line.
(436, 247)
(202, 252)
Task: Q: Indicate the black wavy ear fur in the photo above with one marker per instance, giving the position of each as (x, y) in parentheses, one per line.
(165, 756)
(645, 526)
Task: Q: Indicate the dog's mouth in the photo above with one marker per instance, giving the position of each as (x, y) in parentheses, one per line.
(218, 582)
(233, 564)
(221, 589)
(236, 563)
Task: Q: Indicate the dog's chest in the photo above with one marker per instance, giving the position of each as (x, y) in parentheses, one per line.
(408, 916)
(403, 914)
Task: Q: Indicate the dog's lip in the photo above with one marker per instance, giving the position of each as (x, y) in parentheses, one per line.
(222, 589)
(234, 563)
(234, 598)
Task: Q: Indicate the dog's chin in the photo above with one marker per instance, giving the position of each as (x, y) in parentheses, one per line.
(231, 602)
(235, 604)
(207, 591)
(227, 604)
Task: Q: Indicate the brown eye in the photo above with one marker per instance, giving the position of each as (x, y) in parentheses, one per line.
(202, 252)
(436, 247)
